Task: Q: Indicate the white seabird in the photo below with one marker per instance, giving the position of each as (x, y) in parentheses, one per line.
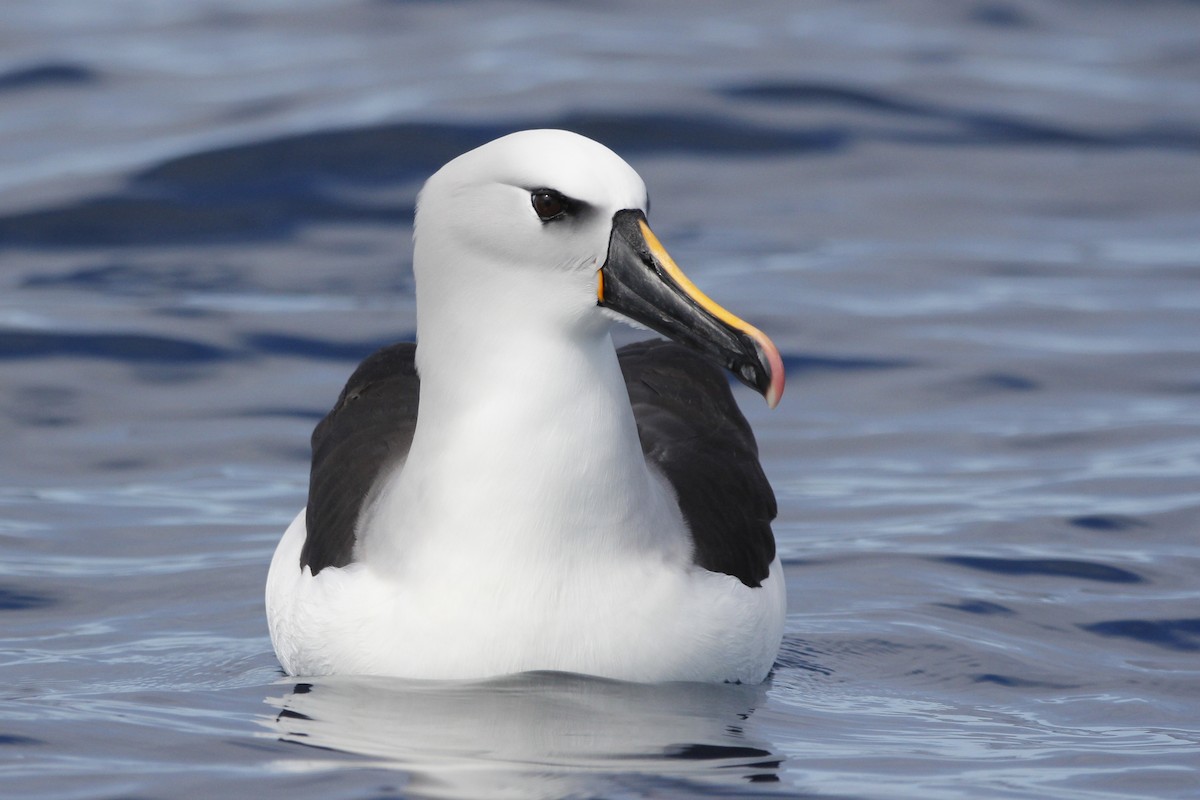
(536, 499)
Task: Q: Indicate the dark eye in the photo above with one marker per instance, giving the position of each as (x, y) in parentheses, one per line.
(549, 204)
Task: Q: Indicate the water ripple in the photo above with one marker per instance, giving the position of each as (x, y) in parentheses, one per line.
(1082, 570)
(47, 75)
(1173, 634)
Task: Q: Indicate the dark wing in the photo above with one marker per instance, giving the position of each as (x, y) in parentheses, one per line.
(693, 431)
(370, 427)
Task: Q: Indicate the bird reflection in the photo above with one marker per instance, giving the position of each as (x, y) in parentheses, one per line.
(532, 735)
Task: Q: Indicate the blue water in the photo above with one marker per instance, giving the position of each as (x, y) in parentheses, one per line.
(971, 228)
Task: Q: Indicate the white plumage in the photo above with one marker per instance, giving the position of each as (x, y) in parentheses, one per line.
(524, 529)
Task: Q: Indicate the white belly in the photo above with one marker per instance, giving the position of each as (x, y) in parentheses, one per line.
(637, 619)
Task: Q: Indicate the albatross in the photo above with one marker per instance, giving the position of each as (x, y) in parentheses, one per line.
(513, 493)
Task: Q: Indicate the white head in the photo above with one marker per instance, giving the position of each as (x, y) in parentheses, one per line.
(485, 257)
(537, 238)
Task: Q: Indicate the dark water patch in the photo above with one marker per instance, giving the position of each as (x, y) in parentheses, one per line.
(715, 752)
(875, 646)
(48, 75)
(410, 152)
(1049, 441)
(978, 607)
(960, 127)
(12, 599)
(702, 135)
(799, 654)
(1000, 15)
(43, 406)
(1172, 634)
(269, 190)
(1184, 387)
(189, 312)
(39, 418)
(984, 130)
(14, 739)
(1082, 570)
(1017, 683)
(812, 656)
(795, 363)
(124, 347)
(822, 94)
(992, 382)
(141, 279)
(987, 131)
(738, 756)
(138, 220)
(797, 561)
(1107, 522)
(275, 344)
(304, 164)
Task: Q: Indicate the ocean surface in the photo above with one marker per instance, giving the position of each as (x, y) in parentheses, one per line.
(972, 228)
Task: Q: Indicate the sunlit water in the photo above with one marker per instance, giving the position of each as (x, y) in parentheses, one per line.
(971, 229)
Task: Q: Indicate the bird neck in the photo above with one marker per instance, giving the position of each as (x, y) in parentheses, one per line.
(524, 445)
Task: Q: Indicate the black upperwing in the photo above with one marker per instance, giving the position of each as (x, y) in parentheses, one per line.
(693, 431)
(690, 427)
(370, 428)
